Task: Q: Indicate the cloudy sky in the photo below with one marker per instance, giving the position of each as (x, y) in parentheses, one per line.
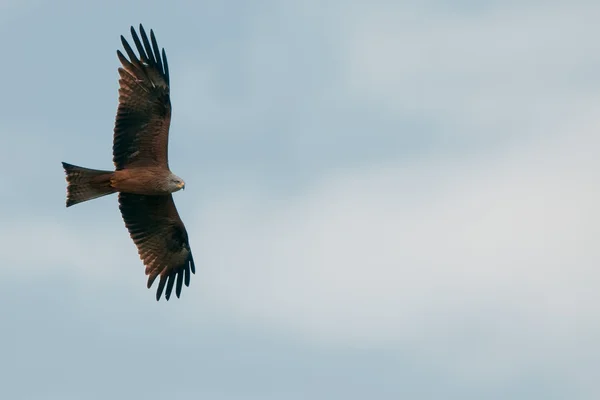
(385, 200)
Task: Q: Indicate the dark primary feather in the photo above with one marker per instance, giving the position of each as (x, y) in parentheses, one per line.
(161, 238)
(144, 114)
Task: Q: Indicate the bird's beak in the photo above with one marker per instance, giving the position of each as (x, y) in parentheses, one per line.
(183, 185)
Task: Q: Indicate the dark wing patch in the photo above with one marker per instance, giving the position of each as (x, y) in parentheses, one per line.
(161, 238)
(142, 124)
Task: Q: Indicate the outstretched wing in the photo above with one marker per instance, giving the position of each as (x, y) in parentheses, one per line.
(141, 135)
(161, 239)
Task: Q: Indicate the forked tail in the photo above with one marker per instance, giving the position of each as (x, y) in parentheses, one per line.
(84, 184)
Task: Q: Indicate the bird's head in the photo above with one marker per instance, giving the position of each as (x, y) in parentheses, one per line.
(176, 183)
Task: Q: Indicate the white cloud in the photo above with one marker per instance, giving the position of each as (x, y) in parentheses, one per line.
(493, 70)
(360, 235)
(90, 251)
(500, 67)
(487, 261)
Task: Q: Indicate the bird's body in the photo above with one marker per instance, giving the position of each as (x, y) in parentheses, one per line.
(142, 176)
(149, 181)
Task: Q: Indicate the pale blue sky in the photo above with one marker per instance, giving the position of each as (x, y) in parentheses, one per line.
(385, 200)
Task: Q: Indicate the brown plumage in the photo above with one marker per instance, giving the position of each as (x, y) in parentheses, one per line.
(142, 176)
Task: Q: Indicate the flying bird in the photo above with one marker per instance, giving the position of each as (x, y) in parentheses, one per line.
(142, 176)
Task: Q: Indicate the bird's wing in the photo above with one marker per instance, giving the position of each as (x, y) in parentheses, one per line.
(162, 241)
(141, 135)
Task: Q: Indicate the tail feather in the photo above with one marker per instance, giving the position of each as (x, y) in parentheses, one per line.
(85, 184)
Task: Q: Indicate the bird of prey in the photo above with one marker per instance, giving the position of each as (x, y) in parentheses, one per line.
(142, 176)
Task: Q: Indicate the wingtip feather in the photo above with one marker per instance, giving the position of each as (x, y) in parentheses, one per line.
(170, 283)
(179, 283)
(161, 286)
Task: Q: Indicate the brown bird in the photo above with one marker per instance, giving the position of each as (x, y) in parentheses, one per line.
(142, 176)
